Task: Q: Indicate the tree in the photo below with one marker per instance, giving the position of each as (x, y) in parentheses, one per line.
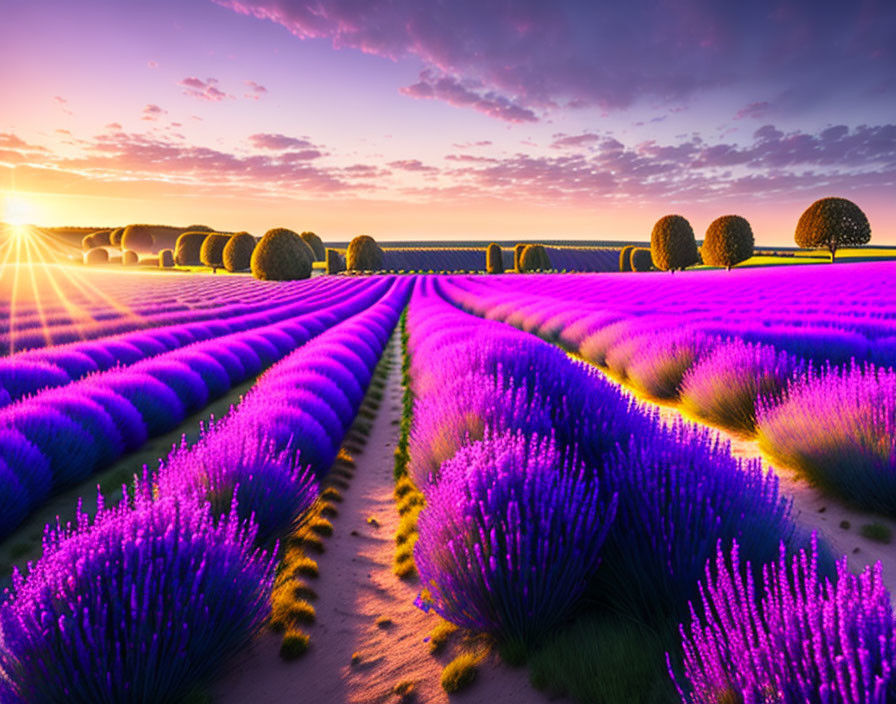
(832, 223)
(317, 247)
(212, 251)
(281, 255)
(625, 258)
(363, 254)
(115, 236)
(534, 258)
(188, 247)
(97, 255)
(129, 257)
(237, 255)
(494, 259)
(672, 244)
(728, 241)
(138, 237)
(166, 258)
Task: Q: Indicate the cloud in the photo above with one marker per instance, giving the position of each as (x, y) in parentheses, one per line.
(113, 126)
(203, 90)
(256, 90)
(454, 93)
(152, 64)
(152, 112)
(411, 165)
(565, 141)
(753, 110)
(278, 142)
(610, 55)
(62, 103)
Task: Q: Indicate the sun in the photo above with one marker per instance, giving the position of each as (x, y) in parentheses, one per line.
(17, 210)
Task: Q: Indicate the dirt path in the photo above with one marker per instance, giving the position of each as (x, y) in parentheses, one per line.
(356, 588)
(814, 510)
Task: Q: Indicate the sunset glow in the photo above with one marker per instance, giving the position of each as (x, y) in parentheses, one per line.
(412, 120)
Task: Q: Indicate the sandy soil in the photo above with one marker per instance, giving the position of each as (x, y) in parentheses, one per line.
(356, 587)
(811, 507)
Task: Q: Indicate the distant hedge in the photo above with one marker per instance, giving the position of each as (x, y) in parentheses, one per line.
(363, 254)
(281, 255)
(129, 257)
(672, 244)
(317, 247)
(212, 251)
(534, 258)
(100, 238)
(97, 255)
(335, 263)
(237, 255)
(115, 236)
(517, 255)
(625, 258)
(166, 258)
(494, 259)
(188, 247)
(640, 259)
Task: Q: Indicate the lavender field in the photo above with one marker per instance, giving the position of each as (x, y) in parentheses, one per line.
(563, 481)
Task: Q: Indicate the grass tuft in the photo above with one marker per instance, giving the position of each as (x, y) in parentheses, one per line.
(460, 672)
(405, 690)
(441, 635)
(877, 532)
(295, 644)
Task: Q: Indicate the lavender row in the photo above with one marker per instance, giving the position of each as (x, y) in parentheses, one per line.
(833, 420)
(59, 437)
(511, 408)
(28, 372)
(152, 597)
(22, 330)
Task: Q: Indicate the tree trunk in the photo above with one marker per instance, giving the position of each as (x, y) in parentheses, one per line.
(833, 249)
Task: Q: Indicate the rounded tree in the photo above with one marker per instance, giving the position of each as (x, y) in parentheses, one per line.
(97, 255)
(317, 247)
(641, 260)
(672, 244)
(625, 258)
(534, 258)
(115, 236)
(138, 237)
(832, 223)
(129, 257)
(166, 258)
(237, 254)
(363, 254)
(212, 251)
(188, 247)
(335, 262)
(199, 228)
(728, 241)
(494, 259)
(281, 255)
(517, 254)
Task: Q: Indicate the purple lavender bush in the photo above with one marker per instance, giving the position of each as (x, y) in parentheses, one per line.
(138, 605)
(508, 538)
(233, 471)
(804, 640)
(680, 493)
(724, 386)
(839, 428)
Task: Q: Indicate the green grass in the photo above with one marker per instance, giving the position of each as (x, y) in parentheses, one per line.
(877, 532)
(603, 659)
(460, 672)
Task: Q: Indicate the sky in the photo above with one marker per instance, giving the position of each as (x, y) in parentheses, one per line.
(450, 119)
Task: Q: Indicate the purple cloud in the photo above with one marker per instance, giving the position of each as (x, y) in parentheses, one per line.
(278, 142)
(203, 90)
(152, 112)
(152, 64)
(753, 110)
(454, 93)
(565, 141)
(256, 90)
(411, 165)
(584, 53)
